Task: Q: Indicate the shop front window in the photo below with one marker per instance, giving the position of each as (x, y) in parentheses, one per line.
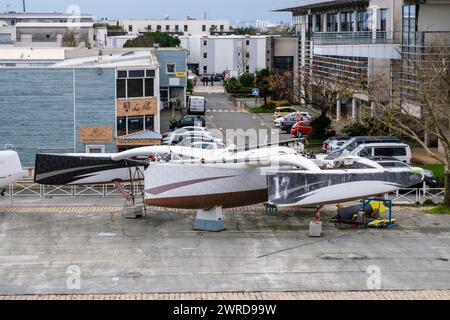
(135, 124)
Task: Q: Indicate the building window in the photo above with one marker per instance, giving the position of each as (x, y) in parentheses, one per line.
(135, 124)
(383, 19)
(247, 55)
(204, 28)
(170, 68)
(136, 74)
(177, 28)
(332, 22)
(130, 28)
(363, 20)
(205, 55)
(347, 21)
(222, 27)
(95, 149)
(135, 88)
(309, 26)
(205, 69)
(205, 43)
(121, 88)
(121, 126)
(247, 68)
(135, 84)
(149, 87)
(167, 28)
(122, 74)
(158, 28)
(149, 123)
(318, 23)
(409, 23)
(247, 42)
(186, 28)
(149, 27)
(13, 22)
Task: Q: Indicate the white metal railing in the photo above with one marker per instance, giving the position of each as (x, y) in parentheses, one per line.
(31, 189)
(360, 37)
(409, 196)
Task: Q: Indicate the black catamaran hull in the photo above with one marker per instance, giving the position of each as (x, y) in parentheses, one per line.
(81, 170)
(302, 188)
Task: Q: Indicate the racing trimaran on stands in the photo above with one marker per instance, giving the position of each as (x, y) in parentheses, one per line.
(189, 178)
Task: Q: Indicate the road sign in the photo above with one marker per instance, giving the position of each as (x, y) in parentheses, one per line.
(255, 92)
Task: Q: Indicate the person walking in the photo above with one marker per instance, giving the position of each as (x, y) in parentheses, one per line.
(212, 81)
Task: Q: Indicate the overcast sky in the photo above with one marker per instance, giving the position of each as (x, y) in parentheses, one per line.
(233, 10)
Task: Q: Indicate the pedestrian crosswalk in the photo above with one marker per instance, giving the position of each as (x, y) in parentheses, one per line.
(223, 110)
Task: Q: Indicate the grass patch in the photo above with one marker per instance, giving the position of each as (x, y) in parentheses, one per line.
(440, 209)
(438, 172)
(263, 109)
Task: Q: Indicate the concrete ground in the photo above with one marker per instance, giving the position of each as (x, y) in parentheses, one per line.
(60, 246)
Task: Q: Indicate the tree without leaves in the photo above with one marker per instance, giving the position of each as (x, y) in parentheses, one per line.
(69, 40)
(430, 112)
(320, 93)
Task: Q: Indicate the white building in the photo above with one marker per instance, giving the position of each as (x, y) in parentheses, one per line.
(234, 54)
(181, 27)
(44, 29)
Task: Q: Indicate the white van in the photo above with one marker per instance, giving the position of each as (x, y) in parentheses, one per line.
(196, 105)
(399, 151)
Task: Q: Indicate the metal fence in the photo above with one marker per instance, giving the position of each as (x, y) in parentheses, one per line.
(31, 189)
(410, 196)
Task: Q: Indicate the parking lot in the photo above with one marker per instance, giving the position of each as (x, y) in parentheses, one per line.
(84, 246)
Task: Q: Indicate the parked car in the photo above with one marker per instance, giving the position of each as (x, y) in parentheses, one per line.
(334, 143)
(298, 115)
(354, 142)
(399, 151)
(189, 121)
(389, 162)
(288, 123)
(188, 138)
(302, 128)
(196, 105)
(170, 137)
(283, 111)
(208, 145)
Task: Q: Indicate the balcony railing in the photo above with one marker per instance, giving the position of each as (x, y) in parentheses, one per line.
(359, 37)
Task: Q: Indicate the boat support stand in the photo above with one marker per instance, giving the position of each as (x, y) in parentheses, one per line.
(209, 220)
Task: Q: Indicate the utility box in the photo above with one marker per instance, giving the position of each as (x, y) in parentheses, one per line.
(315, 229)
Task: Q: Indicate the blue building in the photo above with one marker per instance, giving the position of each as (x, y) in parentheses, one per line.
(42, 109)
(79, 105)
(173, 74)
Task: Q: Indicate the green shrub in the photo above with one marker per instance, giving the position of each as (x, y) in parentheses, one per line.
(247, 80)
(278, 104)
(263, 109)
(190, 86)
(148, 39)
(232, 84)
(321, 127)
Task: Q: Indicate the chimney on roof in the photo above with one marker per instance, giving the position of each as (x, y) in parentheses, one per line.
(24, 6)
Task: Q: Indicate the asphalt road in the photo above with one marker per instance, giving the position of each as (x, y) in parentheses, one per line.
(54, 248)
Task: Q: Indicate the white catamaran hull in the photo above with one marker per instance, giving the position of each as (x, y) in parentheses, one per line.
(204, 186)
(10, 168)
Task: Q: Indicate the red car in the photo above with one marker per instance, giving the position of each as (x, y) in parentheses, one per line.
(302, 128)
